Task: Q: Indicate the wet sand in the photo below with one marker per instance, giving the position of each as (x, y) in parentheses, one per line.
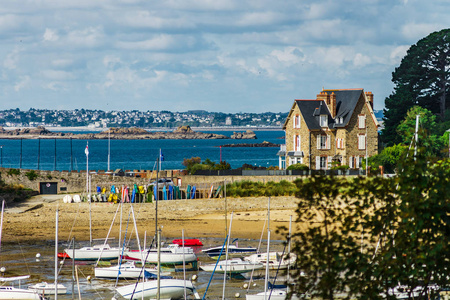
(35, 219)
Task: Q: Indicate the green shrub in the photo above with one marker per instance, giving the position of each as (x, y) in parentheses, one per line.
(247, 188)
(49, 176)
(300, 167)
(32, 175)
(12, 172)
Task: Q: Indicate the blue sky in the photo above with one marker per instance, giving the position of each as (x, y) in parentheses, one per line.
(178, 55)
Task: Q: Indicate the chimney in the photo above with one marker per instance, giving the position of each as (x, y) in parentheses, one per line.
(322, 96)
(369, 97)
(332, 105)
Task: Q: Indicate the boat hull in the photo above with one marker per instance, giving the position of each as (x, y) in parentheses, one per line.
(232, 251)
(127, 271)
(9, 292)
(235, 266)
(169, 289)
(47, 288)
(276, 260)
(171, 255)
(93, 253)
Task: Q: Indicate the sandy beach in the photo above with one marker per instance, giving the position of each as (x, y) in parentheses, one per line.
(34, 219)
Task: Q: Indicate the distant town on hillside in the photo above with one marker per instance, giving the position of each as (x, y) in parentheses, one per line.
(97, 119)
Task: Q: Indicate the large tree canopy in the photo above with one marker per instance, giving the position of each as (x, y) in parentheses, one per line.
(421, 79)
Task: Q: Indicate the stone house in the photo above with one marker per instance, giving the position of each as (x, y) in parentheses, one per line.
(338, 126)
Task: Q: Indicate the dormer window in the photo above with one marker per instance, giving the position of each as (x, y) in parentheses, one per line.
(323, 120)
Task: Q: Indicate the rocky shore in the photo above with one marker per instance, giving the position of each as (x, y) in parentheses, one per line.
(181, 133)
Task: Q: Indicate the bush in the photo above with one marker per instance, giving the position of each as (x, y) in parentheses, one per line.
(12, 172)
(300, 167)
(31, 175)
(247, 188)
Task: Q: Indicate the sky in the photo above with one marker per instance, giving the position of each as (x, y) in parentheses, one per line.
(222, 56)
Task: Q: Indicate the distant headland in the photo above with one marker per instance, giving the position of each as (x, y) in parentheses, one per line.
(122, 133)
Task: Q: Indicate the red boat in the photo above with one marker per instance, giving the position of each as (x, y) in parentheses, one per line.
(188, 242)
(63, 255)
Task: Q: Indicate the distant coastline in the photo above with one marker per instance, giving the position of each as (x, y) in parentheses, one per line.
(153, 129)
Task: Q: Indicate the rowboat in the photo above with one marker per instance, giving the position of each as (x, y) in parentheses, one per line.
(234, 266)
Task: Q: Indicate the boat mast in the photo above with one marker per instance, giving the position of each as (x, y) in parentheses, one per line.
(56, 255)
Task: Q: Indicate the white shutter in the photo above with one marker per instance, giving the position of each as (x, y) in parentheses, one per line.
(293, 142)
(299, 123)
(343, 161)
(350, 162)
(357, 162)
(328, 141)
(298, 143)
(330, 160)
(317, 162)
(318, 141)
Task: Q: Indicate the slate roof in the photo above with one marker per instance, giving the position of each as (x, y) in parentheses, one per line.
(346, 101)
(311, 111)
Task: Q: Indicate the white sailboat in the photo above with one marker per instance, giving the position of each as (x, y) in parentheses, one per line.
(45, 288)
(127, 270)
(169, 289)
(173, 254)
(233, 266)
(275, 261)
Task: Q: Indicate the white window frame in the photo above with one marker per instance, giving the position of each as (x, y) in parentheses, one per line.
(361, 121)
(361, 142)
(323, 120)
(297, 143)
(297, 122)
(323, 162)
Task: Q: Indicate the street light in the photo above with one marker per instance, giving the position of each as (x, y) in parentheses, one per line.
(1, 155)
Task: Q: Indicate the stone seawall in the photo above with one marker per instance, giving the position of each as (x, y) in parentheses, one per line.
(75, 182)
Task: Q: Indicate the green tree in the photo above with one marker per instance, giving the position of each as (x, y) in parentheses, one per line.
(421, 79)
(364, 236)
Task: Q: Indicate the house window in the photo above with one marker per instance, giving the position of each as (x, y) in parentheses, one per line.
(323, 141)
(297, 144)
(323, 121)
(323, 162)
(340, 143)
(297, 121)
(361, 121)
(362, 142)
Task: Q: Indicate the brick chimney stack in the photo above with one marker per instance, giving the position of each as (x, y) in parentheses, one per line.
(369, 97)
(332, 105)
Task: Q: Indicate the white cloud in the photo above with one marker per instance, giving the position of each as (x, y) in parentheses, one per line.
(50, 35)
(361, 60)
(11, 60)
(23, 83)
(397, 54)
(416, 31)
(86, 37)
(57, 75)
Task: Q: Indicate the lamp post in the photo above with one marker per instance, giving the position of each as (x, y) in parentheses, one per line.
(1, 156)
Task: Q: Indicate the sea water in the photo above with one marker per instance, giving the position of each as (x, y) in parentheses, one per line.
(66, 154)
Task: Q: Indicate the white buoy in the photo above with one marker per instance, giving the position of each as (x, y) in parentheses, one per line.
(61, 262)
(2, 269)
(194, 277)
(38, 255)
(237, 295)
(88, 278)
(245, 285)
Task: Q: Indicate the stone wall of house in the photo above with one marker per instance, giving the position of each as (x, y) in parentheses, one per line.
(303, 131)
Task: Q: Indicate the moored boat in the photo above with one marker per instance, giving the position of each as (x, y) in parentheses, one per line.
(94, 253)
(127, 270)
(169, 289)
(188, 242)
(233, 250)
(170, 255)
(45, 288)
(10, 292)
(233, 266)
(275, 261)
